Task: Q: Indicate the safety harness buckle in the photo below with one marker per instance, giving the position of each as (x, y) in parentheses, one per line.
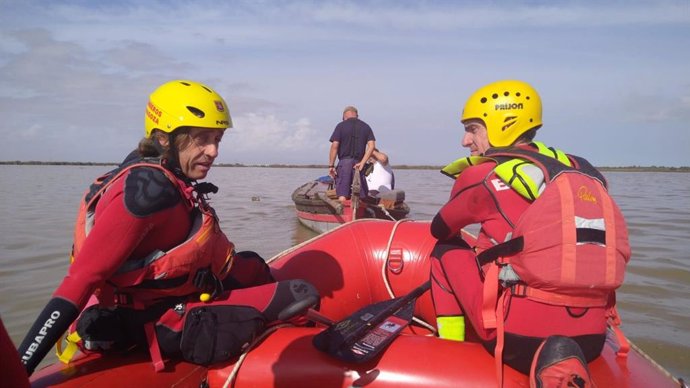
(122, 299)
(518, 289)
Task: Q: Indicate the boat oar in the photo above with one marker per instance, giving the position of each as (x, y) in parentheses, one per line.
(364, 334)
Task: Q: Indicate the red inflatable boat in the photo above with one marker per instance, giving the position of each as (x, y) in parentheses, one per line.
(353, 266)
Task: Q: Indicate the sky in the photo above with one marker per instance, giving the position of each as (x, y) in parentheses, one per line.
(614, 76)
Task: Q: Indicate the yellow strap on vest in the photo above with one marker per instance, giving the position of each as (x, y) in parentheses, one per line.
(455, 168)
(70, 350)
(553, 152)
(523, 177)
(526, 178)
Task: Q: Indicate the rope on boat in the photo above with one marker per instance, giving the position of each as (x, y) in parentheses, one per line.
(386, 281)
(681, 383)
(230, 381)
(383, 209)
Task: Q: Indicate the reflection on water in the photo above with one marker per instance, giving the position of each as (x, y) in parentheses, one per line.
(38, 205)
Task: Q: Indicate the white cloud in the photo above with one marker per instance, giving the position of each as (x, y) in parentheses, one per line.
(256, 136)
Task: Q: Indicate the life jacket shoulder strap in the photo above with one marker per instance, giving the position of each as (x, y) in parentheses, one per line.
(550, 167)
(103, 182)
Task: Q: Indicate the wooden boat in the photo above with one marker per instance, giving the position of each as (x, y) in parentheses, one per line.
(319, 209)
(356, 264)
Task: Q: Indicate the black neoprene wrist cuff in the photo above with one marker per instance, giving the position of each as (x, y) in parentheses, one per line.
(46, 331)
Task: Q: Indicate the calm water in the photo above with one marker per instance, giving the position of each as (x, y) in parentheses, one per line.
(38, 206)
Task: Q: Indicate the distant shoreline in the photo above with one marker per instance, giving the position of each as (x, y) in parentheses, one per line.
(277, 165)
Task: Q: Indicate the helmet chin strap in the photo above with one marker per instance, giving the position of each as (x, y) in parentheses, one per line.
(173, 164)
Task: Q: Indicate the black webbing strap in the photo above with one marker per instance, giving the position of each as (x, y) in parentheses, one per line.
(507, 248)
(353, 141)
(511, 247)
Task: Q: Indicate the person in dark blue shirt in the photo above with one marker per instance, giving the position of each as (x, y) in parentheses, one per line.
(353, 143)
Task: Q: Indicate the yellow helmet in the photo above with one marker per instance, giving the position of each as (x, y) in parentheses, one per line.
(508, 109)
(183, 103)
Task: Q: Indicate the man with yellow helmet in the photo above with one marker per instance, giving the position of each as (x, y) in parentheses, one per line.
(503, 117)
(148, 251)
(508, 110)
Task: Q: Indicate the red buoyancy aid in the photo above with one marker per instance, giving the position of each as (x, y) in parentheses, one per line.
(160, 274)
(570, 247)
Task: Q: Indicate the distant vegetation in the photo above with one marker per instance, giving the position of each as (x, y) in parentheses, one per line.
(323, 166)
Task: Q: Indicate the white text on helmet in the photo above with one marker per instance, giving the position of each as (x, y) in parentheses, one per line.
(508, 106)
